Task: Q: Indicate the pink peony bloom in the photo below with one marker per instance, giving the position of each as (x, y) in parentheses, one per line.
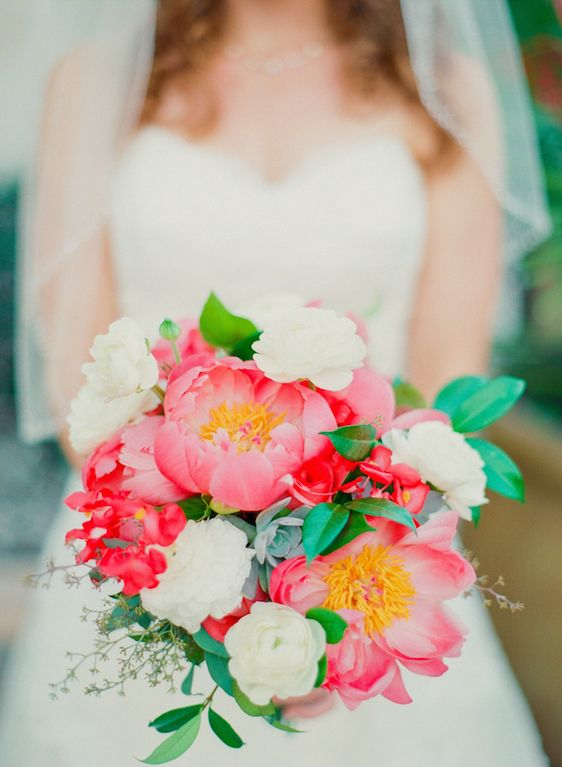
(358, 669)
(125, 464)
(234, 434)
(397, 580)
(142, 478)
(190, 342)
(368, 399)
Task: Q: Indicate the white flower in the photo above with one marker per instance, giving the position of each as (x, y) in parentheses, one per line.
(314, 344)
(274, 651)
(92, 419)
(207, 567)
(122, 363)
(443, 457)
(270, 308)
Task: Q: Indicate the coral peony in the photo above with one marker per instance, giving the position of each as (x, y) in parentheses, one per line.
(233, 434)
(368, 399)
(397, 580)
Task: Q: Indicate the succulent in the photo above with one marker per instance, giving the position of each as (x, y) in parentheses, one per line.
(278, 537)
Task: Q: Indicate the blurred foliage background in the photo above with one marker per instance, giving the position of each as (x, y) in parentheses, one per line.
(537, 354)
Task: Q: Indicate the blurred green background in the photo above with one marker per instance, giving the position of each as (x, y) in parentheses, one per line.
(537, 354)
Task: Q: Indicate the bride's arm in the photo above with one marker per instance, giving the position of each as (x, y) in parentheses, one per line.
(452, 322)
(76, 299)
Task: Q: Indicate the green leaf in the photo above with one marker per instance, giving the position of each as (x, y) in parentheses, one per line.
(380, 507)
(224, 730)
(282, 725)
(218, 669)
(250, 708)
(177, 744)
(503, 474)
(353, 442)
(221, 328)
(488, 404)
(475, 511)
(207, 643)
(174, 719)
(193, 652)
(408, 397)
(243, 348)
(194, 508)
(332, 623)
(321, 526)
(454, 394)
(356, 525)
(187, 684)
(322, 669)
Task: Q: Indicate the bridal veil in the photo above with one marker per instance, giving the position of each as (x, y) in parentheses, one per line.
(469, 73)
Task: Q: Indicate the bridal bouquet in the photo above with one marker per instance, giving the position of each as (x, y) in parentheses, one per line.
(257, 499)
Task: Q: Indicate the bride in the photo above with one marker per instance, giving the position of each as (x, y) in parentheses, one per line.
(350, 150)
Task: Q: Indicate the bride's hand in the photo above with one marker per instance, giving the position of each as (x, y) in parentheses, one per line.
(317, 702)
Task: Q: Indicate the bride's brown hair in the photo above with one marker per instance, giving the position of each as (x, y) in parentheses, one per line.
(190, 31)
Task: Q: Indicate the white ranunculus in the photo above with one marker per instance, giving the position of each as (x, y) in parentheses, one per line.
(270, 308)
(207, 567)
(314, 344)
(444, 458)
(123, 363)
(92, 419)
(274, 652)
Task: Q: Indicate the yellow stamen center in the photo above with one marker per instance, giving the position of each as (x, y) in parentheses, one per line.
(375, 583)
(140, 514)
(248, 424)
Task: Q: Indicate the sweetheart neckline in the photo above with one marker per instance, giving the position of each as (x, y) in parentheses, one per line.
(330, 151)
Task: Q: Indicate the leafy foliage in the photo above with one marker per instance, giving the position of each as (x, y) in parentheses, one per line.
(322, 526)
(176, 744)
(220, 328)
(332, 623)
(224, 730)
(503, 474)
(353, 442)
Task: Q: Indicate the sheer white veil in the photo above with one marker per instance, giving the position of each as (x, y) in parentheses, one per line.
(470, 78)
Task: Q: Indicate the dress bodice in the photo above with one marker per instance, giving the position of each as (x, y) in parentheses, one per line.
(347, 226)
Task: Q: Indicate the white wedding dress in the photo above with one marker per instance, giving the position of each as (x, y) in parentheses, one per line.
(347, 226)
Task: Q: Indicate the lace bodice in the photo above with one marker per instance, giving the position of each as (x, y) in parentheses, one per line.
(346, 226)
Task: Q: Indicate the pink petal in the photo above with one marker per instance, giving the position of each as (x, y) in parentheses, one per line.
(396, 691)
(412, 417)
(245, 481)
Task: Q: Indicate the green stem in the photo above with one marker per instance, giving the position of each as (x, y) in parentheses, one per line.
(176, 352)
(209, 699)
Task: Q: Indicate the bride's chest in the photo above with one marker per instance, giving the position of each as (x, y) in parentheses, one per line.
(347, 215)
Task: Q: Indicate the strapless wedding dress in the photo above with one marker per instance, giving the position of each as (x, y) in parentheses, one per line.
(348, 226)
